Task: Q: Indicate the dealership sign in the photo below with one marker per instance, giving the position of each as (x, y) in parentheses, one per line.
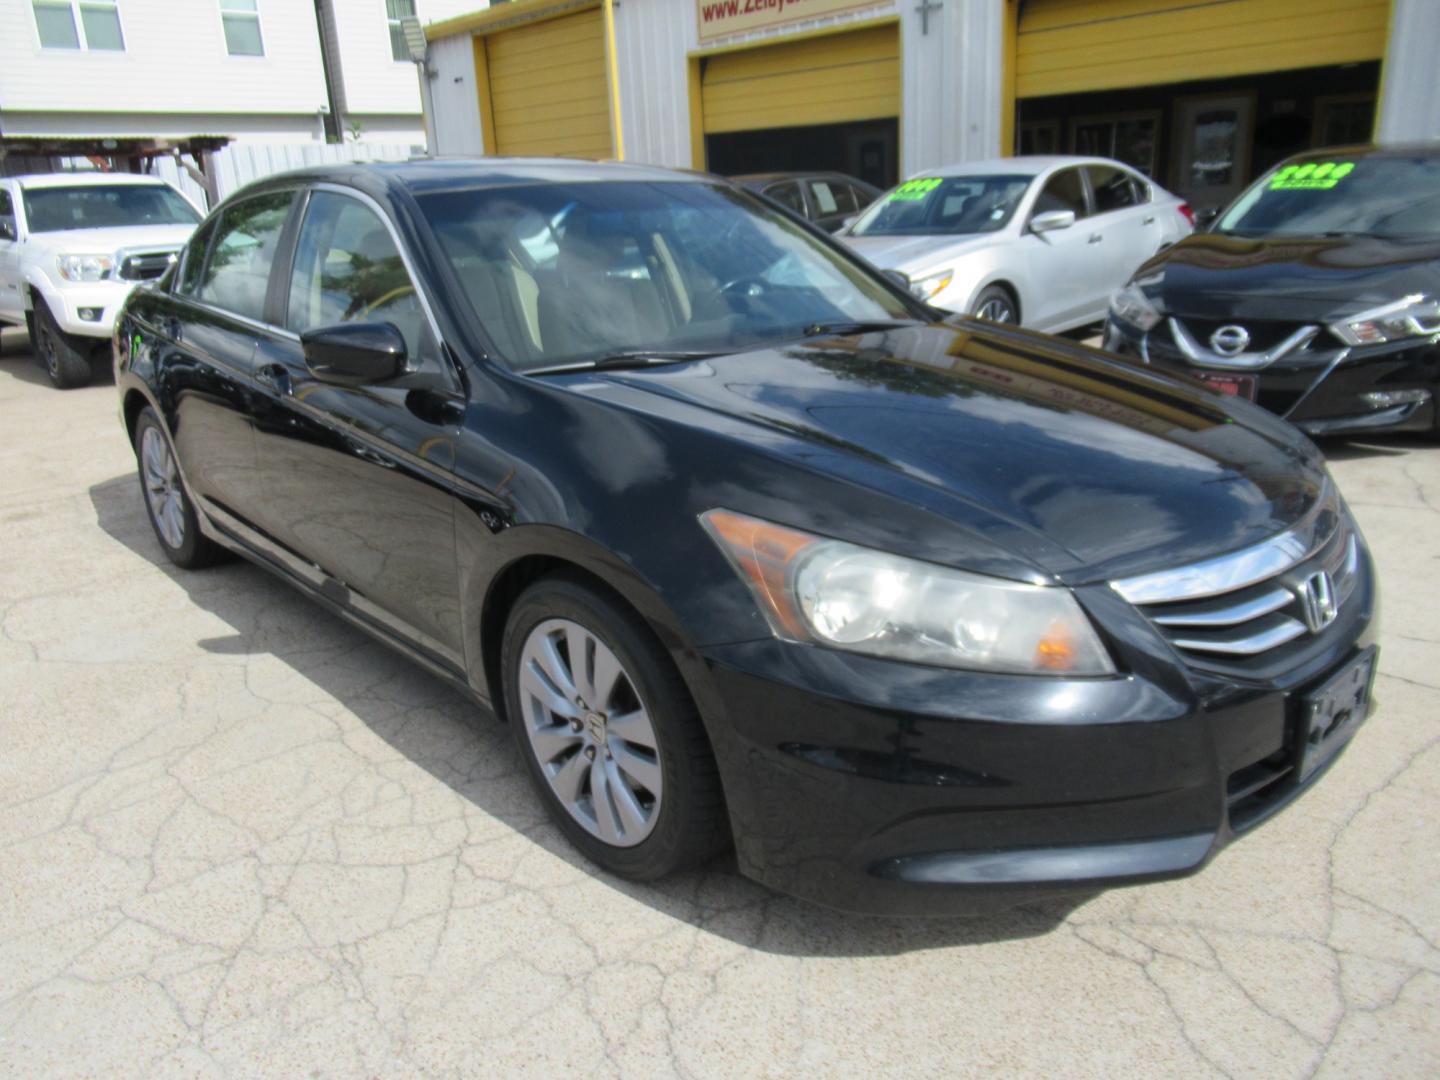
(719, 18)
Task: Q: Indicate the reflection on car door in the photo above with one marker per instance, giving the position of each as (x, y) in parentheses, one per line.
(1124, 213)
(361, 483)
(1063, 261)
(207, 354)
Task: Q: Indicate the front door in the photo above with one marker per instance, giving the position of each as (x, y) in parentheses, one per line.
(1212, 139)
(362, 482)
(1064, 262)
(12, 303)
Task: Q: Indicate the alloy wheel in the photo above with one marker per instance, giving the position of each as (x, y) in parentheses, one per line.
(49, 356)
(590, 732)
(162, 487)
(996, 309)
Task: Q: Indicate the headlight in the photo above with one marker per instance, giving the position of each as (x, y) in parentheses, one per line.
(84, 267)
(828, 592)
(1414, 316)
(927, 287)
(1132, 306)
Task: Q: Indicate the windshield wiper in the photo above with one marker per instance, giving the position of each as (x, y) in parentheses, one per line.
(857, 326)
(628, 360)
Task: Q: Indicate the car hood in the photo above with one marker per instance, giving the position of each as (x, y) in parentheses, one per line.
(108, 241)
(1085, 467)
(1299, 278)
(916, 254)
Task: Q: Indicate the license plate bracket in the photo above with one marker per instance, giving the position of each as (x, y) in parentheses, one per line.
(1334, 710)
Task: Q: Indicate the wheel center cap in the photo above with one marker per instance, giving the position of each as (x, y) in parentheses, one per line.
(595, 726)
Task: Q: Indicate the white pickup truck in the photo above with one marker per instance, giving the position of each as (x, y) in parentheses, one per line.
(72, 246)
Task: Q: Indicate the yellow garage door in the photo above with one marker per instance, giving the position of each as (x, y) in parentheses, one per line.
(1075, 46)
(548, 93)
(832, 79)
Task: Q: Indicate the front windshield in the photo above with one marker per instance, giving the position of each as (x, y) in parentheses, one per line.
(571, 273)
(104, 206)
(1394, 198)
(943, 206)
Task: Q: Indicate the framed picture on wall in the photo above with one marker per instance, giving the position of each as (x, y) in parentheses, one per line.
(1131, 137)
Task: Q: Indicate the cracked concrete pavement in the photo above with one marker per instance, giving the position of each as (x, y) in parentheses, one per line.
(241, 839)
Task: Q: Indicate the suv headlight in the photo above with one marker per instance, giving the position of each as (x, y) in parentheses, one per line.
(84, 267)
(929, 287)
(828, 592)
(1131, 305)
(1414, 316)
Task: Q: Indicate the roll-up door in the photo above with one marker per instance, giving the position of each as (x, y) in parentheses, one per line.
(547, 88)
(1077, 46)
(833, 79)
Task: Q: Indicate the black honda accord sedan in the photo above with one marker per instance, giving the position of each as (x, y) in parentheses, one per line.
(746, 545)
(1317, 293)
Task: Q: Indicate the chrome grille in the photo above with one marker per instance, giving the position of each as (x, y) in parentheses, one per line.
(1246, 604)
(144, 265)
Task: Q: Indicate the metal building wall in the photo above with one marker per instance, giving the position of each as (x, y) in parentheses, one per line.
(1410, 89)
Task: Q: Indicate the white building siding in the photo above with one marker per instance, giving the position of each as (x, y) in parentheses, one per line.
(652, 38)
(951, 84)
(175, 61)
(455, 100)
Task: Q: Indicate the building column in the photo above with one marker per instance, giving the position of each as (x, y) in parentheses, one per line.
(952, 81)
(1409, 88)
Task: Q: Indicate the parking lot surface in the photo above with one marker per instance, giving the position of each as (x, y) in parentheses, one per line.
(240, 838)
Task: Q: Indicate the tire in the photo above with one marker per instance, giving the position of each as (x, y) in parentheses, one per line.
(995, 304)
(63, 357)
(167, 503)
(676, 812)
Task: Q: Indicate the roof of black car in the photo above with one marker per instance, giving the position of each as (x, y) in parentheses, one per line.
(1367, 150)
(440, 174)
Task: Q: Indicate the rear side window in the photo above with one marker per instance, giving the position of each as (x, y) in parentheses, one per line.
(1114, 189)
(788, 196)
(237, 273)
(348, 269)
(1063, 191)
(831, 198)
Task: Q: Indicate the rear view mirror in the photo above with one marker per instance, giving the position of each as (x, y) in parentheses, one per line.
(1051, 220)
(352, 354)
(899, 277)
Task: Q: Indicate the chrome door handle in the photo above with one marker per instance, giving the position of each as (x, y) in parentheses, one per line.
(1149, 220)
(1095, 238)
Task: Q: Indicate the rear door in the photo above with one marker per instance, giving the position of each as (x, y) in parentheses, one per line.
(1124, 213)
(207, 371)
(360, 477)
(1063, 262)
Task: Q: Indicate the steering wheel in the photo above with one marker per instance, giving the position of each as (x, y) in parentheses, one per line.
(390, 297)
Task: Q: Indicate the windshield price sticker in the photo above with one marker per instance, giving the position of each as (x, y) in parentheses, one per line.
(1315, 176)
(914, 190)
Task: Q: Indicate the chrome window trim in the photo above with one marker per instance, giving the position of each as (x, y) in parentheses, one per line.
(1238, 569)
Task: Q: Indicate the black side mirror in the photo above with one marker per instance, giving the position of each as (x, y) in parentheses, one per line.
(352, 354)
(7, 228)
(1205, 218)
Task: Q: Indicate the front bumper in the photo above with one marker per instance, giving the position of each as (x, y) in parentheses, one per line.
(1320, 390)
(886, 788)
(87, 309)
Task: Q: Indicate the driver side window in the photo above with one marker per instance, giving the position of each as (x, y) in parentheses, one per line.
(1063, 191)
(348, 269)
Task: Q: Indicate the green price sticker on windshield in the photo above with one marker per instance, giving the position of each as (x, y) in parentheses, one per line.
(1313, 176)
(914, 190)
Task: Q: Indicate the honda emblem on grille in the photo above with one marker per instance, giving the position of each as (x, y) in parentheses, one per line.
(1230, 340)
(1317, 597)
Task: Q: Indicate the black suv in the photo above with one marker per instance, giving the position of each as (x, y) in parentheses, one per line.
(1316, 293)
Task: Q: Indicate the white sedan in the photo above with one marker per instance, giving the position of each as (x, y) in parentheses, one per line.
(1042, 241)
